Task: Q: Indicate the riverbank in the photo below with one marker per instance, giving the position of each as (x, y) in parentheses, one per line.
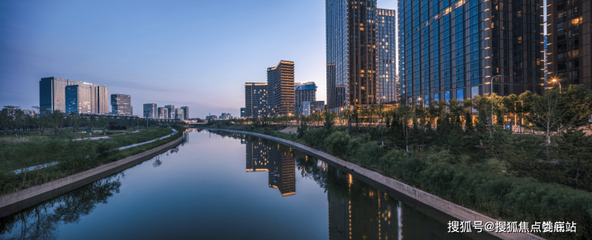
(16, 201)
(71, 157)
(497, 195)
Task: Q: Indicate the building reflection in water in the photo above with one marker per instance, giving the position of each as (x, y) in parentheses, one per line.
(360, 211)
(277, 161)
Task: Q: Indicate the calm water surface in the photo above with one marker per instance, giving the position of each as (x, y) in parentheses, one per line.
(220, 187)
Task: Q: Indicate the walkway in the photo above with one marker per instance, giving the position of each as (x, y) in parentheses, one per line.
(121, 148)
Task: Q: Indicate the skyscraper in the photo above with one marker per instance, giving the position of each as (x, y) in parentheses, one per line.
(255, 99)
(52, 95)
(351, 53)
(163, 113)
(171, 111)
(185, 112)
(304, 92)
(179, 114)
(387, 49)
(569, 42)
(121, 104)
(452, 50)
(150, 110)
(280, 84)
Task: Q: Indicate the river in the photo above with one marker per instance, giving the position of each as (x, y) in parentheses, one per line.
(227, 187)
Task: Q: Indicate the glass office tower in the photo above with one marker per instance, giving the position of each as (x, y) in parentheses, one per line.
(121, 104)
(351, 53)
(569, 42)
(387, 49)
(451, 49)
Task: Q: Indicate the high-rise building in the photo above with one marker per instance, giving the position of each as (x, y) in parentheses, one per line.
(280, 84)
(52, 95)
(150, 110)
(351, 53)
(179, 114)
(121, 104)
(387, 57)
(569, 42)
(243, 112)
(185, 112)
(78, 99)
(317, 107)
(279, 163)
(304, 92)
(171, 111)
(255, 99)
(452, 50)
(163, 113)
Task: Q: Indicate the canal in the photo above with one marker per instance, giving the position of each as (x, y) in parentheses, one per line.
(227, 187)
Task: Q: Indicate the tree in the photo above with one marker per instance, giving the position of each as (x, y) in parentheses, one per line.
(75, 121)
(329, 118)
(547, 114)
(104, 123)
(40, 119)
(57, 120)
(405, 114)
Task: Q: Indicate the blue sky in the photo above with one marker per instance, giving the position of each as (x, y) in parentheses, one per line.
(195, 53)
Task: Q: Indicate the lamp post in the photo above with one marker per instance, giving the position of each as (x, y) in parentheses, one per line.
(491, 93)
(559, 83)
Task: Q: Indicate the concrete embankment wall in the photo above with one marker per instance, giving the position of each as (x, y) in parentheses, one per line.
(423, 201)
(17, 201)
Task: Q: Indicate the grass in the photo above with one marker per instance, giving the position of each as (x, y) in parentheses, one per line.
(73, 156)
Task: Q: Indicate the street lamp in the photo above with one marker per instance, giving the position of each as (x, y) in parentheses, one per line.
(491, 93)
(559, 83)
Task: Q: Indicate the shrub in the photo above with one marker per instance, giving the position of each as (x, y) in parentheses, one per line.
(337, 143)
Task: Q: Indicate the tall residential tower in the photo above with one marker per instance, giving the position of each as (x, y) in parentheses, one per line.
(351, 53)
(280, 89)
(255, 99)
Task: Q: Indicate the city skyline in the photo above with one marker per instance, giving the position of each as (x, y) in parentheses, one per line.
(153, 55)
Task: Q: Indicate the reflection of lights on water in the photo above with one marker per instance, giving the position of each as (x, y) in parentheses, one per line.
(400, 219)
(351, 179)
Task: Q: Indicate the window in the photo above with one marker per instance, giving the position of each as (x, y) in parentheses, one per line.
(460, 94)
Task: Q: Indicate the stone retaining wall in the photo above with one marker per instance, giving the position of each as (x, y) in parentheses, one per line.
(22, 199)
(402, 190)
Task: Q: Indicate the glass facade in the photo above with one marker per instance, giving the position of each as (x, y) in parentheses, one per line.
(150, 110)
(450, 46)
(570, 44)
(351, 53)
(304, 92)
(387, 49)
(78, 99)
(121, 104)
(52, 95)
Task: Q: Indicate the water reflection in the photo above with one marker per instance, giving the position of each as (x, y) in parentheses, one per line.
(354, 209)
(278, 162)
(42, 221)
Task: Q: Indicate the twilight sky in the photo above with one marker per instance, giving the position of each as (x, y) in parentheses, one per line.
(195, 53)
